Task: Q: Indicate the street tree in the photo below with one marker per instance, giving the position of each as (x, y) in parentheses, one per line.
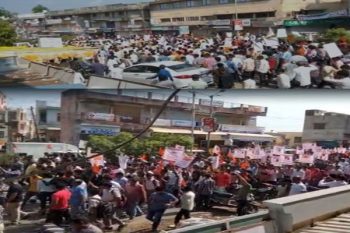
(5, 13)
(39, 9)
(7, 33)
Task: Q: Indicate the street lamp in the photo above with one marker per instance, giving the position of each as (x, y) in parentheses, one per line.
(212, 114)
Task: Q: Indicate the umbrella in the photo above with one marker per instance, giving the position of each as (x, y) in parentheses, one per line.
(299, 58)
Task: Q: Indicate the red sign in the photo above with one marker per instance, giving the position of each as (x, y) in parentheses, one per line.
(208, 124)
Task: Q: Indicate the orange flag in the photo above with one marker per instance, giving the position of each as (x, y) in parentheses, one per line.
(161, 151)
(159, 168)
(144, 158)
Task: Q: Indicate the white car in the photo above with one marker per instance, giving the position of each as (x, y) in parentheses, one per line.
(180, 71)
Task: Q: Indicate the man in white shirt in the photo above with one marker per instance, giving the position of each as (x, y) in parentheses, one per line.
(263, 68)
(78, 78)
(189, 59)
(298, 172)
(187, 205)
(333, 181)
(116, 72)
(283, 80)
(303, 74)
(297, 187)
(248, 67)
(197, 83)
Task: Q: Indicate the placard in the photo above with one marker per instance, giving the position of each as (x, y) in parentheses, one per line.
(282, 33)
(239, 153)
(238, 25)
(278, 150)
(333, 50)
(184, 161)
(172, 154)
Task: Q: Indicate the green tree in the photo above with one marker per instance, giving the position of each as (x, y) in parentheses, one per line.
(334, 35)
(39, 9)
(5, 13)
(137, 147)
(7, 34)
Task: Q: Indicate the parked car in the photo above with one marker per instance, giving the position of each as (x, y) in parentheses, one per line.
(180, 71)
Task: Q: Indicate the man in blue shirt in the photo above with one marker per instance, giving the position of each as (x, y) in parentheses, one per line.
(163, 74)
(78, 199)
(159, 201)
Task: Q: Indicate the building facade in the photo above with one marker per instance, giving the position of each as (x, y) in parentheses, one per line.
(121, 18)
(30, 26)
(48, 122)
(99, 113)
(212, 16)
(326, 127)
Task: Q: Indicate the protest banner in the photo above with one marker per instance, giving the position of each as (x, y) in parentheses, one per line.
(239, 153)
(333, 50)
(123, 161)
(276, 160)
(171, 154)
(97, 161)
(184, 161)
(306, 158)
(287, 159)
(282, 33)
(278, 150)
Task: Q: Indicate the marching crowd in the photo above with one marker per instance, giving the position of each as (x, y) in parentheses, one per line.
(94, 198)
(247, 61)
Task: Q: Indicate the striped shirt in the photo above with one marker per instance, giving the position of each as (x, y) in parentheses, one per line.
(205, 187)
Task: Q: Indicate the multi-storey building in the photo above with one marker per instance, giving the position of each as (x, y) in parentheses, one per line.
(47, 122)
(326, 127)
(121, 18)
(85, 113)
(29, 26)
(211, 16)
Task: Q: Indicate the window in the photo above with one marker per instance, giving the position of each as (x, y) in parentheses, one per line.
(2, 134)
(42, 117)
(107, 14)
(205, 18)
(265, 14)
(190, 3)
(180, 19)
(152, 69)
(166, 20)
(195, 18)
(22, 126)
(223, 1)
(21, 116)
(206, 2)
(165, 6)
(319, 126)
(136, 69)
(58, 117)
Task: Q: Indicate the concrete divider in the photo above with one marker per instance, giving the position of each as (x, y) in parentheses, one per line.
(39, 68)
(294, 212)
(254, 222)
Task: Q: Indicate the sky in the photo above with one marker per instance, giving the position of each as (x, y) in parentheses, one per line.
(286, 109)
(25, 6)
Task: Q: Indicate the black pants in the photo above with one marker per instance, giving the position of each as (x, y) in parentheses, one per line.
(203, 201)
(180, 214)
(263, 79)
(44, 197)
(57, 216)
(27, 197)
(240, 207)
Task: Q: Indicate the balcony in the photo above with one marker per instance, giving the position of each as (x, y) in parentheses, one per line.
(240, 129)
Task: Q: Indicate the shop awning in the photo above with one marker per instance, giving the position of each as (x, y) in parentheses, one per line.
(234, 136)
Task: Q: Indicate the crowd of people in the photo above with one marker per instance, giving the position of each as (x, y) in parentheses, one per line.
(94, 198)
(244, 61)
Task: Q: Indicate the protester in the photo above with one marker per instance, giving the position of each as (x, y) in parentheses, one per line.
(159, 201)
(59, 208)
(187, 205)
(13, 202)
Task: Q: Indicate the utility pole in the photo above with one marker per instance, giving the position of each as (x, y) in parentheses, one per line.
(193, 118)
(236, 9)
(35, 124)
(211, 116)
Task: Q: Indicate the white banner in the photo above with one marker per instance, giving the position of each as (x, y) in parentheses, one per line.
(276, 160)
(100, 116)
(184, 161)
(123, 161)
(306, 158)
(287, 159)
(239, 153)
(278, 150)
(172, 154)
(333, 50)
